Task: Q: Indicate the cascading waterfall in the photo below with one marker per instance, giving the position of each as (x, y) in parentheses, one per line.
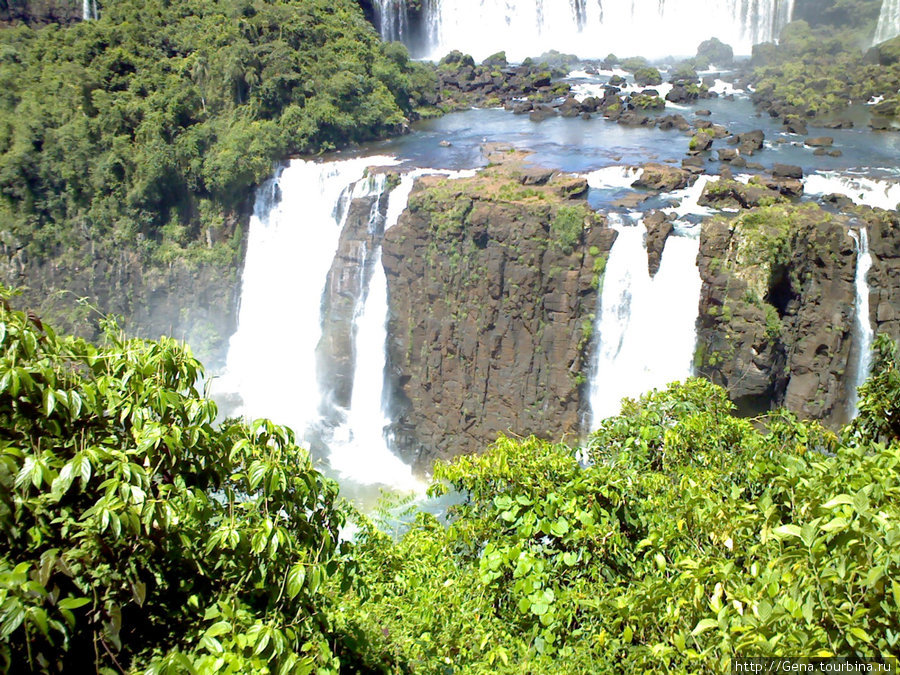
(271, 360)
(864, 332)
(89, 10)
(588, 28)
(872, 192)
(646, 326)
(393, 19)
(359, 449)
(888, 21)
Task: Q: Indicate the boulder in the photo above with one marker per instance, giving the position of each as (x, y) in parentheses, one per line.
(820, 142)
(787, 171)
(664, 178)
(659, 227)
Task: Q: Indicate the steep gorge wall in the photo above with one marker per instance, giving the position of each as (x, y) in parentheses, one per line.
(193, 296)
(493, 286)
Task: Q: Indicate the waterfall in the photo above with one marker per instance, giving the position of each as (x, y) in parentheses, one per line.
(865, 334)
(646, 326)
(883, 194)
(393, 20)
(88, 10)
(293, 237)
(888, 21)
(589, 28)
(359, 449)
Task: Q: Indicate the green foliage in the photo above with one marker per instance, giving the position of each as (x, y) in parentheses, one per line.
(690, 537)
(568, 225)
(879, 397)
(817, 71)
(169, 112)
(136, 533)
(647, 75)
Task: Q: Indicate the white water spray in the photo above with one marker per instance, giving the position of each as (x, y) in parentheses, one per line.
(359, 448)
(888, 21)
(864, 332)
(271, 360)
(646, 326)
(651, 28)
(872, 192)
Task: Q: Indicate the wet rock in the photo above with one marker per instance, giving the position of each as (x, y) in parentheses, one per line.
(664, 178)
(750, 142)
(659, 227)
(522, 107)
(787, 171)
(674, 121)
(820, 142)
(535, 176)
(703, 113)
(795, 125)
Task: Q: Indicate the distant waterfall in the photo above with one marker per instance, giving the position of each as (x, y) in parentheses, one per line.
(864, 332)
(89, 10)
(393, 20)
(589, 28)
(883, 194)
(888, 21)
(646, 326)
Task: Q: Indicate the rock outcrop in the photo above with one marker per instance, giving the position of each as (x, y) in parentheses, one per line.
(777, 309)
(493, 287)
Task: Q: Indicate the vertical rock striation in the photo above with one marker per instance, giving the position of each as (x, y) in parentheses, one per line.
(492, 283)
(777, 309)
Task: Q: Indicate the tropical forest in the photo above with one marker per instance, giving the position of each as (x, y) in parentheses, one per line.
(446, 337)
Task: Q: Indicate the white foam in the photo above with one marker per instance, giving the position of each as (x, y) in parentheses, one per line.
(873, 192)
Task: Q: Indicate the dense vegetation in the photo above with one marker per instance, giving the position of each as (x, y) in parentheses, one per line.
(817, 70)
(139, 535)
(155, 121)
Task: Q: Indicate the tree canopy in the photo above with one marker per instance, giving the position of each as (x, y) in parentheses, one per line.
(140, 535)
(158, 118)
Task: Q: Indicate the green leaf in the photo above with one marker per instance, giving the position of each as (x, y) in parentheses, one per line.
(861, 634)
(218, 628)
(63, 481)
(785, 531)
(295, 579)
(837, 501)
(704, 625)
(73, 603)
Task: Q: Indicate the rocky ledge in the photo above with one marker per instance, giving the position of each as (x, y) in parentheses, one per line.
(493, 285)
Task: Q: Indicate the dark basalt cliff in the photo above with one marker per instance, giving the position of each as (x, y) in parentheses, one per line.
(884, 277)
(777, 314)
(493, 287)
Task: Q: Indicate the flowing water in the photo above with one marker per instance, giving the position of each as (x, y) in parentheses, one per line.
(645, 330)
(293, 237)
(864, 333)
(645, 327)
(588, 28)
(888, 21)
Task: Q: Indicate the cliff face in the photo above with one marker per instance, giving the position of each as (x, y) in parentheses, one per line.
(493, 287)
(777, 309)
(39, 12)
(884, 277)
(192, 297)
(350, 273)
